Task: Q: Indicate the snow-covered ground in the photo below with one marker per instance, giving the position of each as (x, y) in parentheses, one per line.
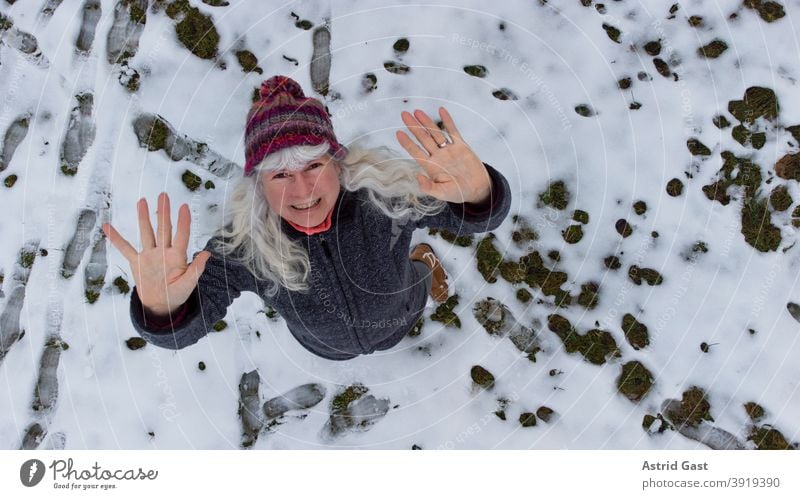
(67, 121)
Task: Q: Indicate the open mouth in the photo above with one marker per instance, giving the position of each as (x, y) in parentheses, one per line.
(307, 206)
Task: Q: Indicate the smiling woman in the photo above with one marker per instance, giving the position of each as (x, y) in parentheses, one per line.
(321, 232)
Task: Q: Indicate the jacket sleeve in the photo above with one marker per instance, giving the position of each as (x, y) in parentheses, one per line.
(222, 281)
(469, 218)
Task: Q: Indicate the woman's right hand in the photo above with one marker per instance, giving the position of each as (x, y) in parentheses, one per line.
(164, 280)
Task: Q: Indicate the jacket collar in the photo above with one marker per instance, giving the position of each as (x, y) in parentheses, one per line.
(343, 215)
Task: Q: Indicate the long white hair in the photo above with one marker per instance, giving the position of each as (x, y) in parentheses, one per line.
(254, 236)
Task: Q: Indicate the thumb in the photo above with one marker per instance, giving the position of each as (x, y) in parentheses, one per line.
(195, 269)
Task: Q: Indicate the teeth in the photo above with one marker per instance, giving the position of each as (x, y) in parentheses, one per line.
(307, 205)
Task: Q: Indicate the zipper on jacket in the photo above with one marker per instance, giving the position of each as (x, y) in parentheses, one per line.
(327, 250)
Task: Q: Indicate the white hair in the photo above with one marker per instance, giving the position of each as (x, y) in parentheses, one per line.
(254, 235)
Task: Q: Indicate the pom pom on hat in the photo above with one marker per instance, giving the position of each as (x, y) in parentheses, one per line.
(280, 84)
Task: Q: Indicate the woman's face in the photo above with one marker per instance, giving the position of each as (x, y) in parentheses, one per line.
(289, 192)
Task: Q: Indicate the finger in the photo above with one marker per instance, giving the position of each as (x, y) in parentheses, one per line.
(433, 129)
(181, 241)
(419, 132)
(411, 147)
(119, 242)
(145, 227)
(164, 233)
(450, 125)
(188, 281)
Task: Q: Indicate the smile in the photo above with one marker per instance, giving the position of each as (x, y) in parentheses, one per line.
(307, 206)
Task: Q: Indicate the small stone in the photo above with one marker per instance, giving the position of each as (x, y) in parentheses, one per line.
(527, 419)
(135, 343)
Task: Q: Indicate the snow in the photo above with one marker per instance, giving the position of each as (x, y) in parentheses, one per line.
(553, 56)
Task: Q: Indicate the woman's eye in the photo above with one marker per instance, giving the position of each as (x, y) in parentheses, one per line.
(314, 165)
(280, 175)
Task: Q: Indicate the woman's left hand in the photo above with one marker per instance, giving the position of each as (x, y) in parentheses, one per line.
(455, 173)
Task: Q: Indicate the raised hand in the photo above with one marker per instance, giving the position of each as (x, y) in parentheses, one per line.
(454, 171)
(164, 280)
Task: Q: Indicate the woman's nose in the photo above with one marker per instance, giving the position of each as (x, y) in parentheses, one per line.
(303, 185)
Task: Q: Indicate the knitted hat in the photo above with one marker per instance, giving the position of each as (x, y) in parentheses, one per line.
(284, 117)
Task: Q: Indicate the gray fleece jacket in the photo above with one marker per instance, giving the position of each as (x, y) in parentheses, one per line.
(364, 295)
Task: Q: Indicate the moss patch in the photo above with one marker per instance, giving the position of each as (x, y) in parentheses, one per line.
(397, 68)
(595, 346)
(248, 61)
(584, 110)
(639, 207)
(572, 234)
(788, 167)
(191, 181)
(122, 285)
(544, 413)
(417, 329)
(524, 295)
(693, 409)
(476, 70)
(635, 332)
(754, 411)
(780, 199)
(504, 94)
(481, 377)
(623, 227)
(556, 195)
(10, 181)
(757, 227)
(712, 50)
(342, 401)
(720, 121)
(635, 380)
(768, 438)
(464, 240)
(697, 148)
(653, 47)
(768, 11)
(219, 325)
(580, 216)
(757, 102)
(527, 419)
(675, 187)
(135, 343)
(612, 262)
(612, 32)
(488, 259)
(195, 30)
(444, 313)
(735, 171)
(650, 276)
(401, 45)
(590, 293)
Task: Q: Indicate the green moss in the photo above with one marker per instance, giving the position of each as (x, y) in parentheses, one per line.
(635, 332)
(623, 228)
(191, 181)
(653, 47)
(554, 255)
(444, 313)
(524, 235)
(369, 82)
(556, 195)
(91, 295)
(342, 401)
(788, 167)
(26, 258)
(524, 295)
(640, 207)
(693, 409)
(417, 329)
(624, 83)
(513, 272)
(662, 67)
(10, 181)
(476, 70)
(482, 377)
(754, 411)
(397, 68)
(219, 325)
(488, 259)
(304, 24)
(248, 61)
(757, 102)
(527, 419)
(734, 171)
(135, 12)
(635, 380)
(549, 281)
(195, 30)
(648, 421)
(650, 276)
(401, 45)
(135, 343)
(464, 240)
(201, 365)
(768, 11)
(590, 292)
(572, 234)
(157, 137)
(595, 346)
(504, 94)
(768, 438)
(740, 134)
(5, 23)
(721, 122)
(544, 413)
(757, 227)
(68, 170)
(697, 148)
(612, 262)
(780, 199)
(675, 187)
(122, 285)
(584, 110)
(700, 247)
(795, 131)
(580, 216)
(612, 32)
(712, 50)
(695, 21)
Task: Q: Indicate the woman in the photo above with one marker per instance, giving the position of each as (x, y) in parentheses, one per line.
(319, 231)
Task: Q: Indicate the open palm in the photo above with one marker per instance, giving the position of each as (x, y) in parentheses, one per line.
(454, 172)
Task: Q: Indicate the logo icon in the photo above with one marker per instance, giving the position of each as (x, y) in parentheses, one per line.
(31, 472)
